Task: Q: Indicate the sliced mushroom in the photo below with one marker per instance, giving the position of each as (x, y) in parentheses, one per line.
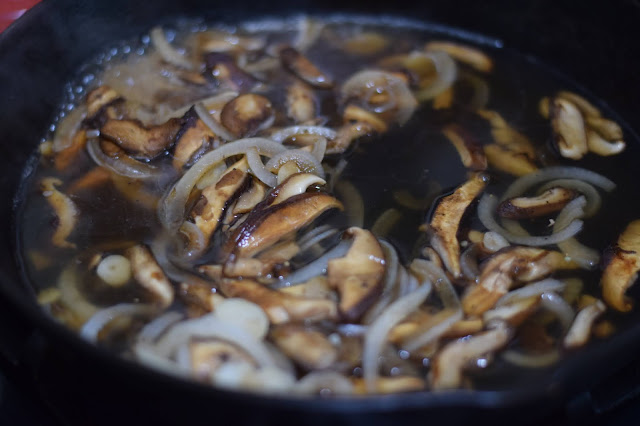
(448, 364)
(580, 330)
(281, 307)
(199, 297)
(265, 227)
(301, 103)
(355, 114)
(247, 114)
(94, 178)
(587, 108)
(149, 274)
(466, 54)
(622, 270)
(469, 149)
(194, 135)
(365, 43)
(308, 348)
(224, 69)
(390, 385)
(250, 198)
(208, 356)
(208, 212)
(65, 210)
(316, 288)
(133, 137)
(295, 184)
(550, 201)
(346, 135)
(568, 128)
(446, 220)
(514, 313)
(507, 136)
(99, 99)
(358, 275)
(303, 68)
(512, 162)
(598, 145)
(65, 158)
(500, 271)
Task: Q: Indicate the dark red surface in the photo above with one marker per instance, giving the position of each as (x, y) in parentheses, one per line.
(10, 10)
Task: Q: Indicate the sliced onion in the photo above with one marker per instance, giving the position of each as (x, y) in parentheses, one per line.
(584, 256)
(389, 283)
(561, 309)
(487, 206)
(522, 359)
(197, 241)
(259, 170)
(319, 148)
(317, 381)
(123, 165)
(377, 333)
(146, 354)
(593, 197)
(167, 51)
(493, 241)
(308, 33)
(245, 315)
(305, 161)
(521, 185)
(100, 319)
(352, 201)
(432, 334)
(352, 329)
(171, 209)
(469, 263)
(212, 176)
(359, 84)
(447, 74)
(533, 289)
(314, 269)
(208, 326)
(211, 122)
(152, 330)
(385, 222)
(287, 132)
(302, 240)
(443, 285)
(316, 239)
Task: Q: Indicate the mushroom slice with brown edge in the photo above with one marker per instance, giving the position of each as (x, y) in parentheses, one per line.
(447, 365)
(465, 54)
(224, 69)
(281, 307)
(358, 275)
(622, 269)
(568, 128)
(446, 220)
(247, 114)
(264, 227)
(149, 274)
(293, 185)
(506, 266)
(198, 296)
(207, 356)
(215, 199)
(507, 136)
(97, 101)
(469, 149)
(65, 210)
(194, 135)
(355, 114)
(512, 162)
(346, 134)
(580, 330)
(303, 68)
(550, 201)
(306, 347)
(301, 104)
(137, 139)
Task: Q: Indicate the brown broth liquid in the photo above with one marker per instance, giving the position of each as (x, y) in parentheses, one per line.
(415, 158)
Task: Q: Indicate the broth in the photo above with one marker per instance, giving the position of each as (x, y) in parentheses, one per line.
(181, 276)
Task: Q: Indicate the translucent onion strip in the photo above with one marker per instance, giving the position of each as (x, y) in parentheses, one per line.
(171, 211)
(561, 309)
(525, 360)
(447, 73)
(287, 132)
(123, 165)
(315, 268)
(305, 161)
(584, 256)
(487, 206)
(533, 289)
(521, 185)
(389, 283)
(318, 381)
(377, 333)
(352, 201)
(151, 331)
(100, 319)
(259, 170)
(168, 52)
(211, 122)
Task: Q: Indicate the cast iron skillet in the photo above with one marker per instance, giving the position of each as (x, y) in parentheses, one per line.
(594, 44)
